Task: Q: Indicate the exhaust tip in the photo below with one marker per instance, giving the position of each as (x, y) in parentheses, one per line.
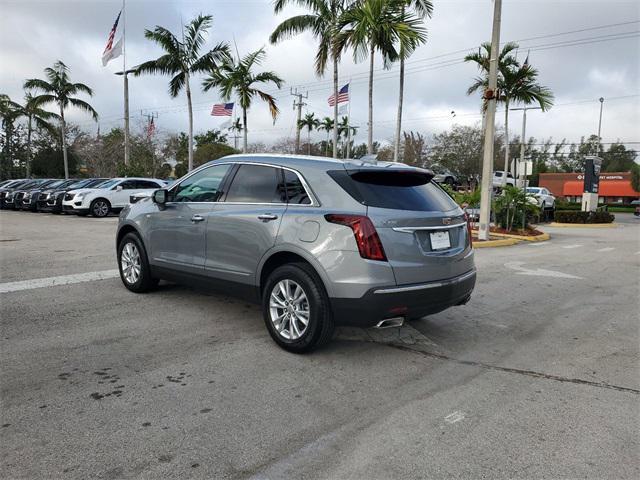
(390, 322)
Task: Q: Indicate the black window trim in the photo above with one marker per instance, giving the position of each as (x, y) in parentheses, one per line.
(232, 173)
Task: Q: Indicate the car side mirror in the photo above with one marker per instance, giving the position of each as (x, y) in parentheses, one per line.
(160, 196)
(119, 188)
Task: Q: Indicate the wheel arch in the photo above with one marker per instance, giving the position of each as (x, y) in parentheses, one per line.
(125, 229)
(284, 255)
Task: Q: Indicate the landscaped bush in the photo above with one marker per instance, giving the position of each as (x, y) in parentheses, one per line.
(571, 216)
(562, 205)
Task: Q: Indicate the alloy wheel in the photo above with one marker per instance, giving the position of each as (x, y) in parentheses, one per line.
(100, 209)
(289, 309)
(130, 263)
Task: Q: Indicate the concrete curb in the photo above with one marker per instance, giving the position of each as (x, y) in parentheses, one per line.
(584, 225)
(505, 242)
(526, 238)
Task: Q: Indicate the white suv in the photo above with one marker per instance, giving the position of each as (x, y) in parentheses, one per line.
(498, 179)
(543, 196)
(109, 196)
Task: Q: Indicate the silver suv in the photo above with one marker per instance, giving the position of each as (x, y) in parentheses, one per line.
(319, 242)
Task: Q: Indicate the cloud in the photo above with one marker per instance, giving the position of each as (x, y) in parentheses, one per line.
(33, 34)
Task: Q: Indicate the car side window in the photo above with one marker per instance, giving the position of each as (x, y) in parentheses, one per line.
(203, 186)
(128, 185)
(147, 184)
(295, 189)
(257, 184)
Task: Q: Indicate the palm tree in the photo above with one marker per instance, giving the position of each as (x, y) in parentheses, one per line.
(346, 130)
(323, 22)
(235, 77)
(39, 118)
(422, 9)
(372, 26)
(9, 112)
(309, 122)
(182, 59)
(236, 127)
(326, 124)
(58, 89)
(516, 83)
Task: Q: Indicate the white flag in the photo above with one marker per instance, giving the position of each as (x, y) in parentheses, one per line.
(224, 125)
(112, 53)
(343, 109)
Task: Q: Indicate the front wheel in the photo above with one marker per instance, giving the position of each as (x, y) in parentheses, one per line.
(100, 208)
(134, 265)
(296, 308)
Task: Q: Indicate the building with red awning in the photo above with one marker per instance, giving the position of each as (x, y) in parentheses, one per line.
(615, 187)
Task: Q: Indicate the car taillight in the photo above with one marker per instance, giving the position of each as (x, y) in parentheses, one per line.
(468, 219)
(367, 239)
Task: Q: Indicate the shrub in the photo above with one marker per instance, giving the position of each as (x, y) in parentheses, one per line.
(513, 208)
(571, 216)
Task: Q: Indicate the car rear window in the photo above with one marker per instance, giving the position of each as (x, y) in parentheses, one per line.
(398, 190)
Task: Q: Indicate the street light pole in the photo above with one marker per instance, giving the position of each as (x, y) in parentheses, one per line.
(600, 120)
(126, 113)
(487, 164)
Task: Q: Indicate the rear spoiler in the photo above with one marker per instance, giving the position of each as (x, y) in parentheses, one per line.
(401, 177)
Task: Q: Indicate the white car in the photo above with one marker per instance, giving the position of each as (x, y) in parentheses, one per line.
(543, 196)
(112, 195)
(498, 179)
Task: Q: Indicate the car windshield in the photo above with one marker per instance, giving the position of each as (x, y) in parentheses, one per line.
(533, 190)
(108, 183)
(55, 184)
(79, 184)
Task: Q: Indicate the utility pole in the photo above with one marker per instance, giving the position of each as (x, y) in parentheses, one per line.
(125, 73)
(298, 104)
(487, 163)
(523, 140)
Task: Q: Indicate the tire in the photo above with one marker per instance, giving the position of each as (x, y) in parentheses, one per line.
(292, 334)
(138, 280)
(100, 208)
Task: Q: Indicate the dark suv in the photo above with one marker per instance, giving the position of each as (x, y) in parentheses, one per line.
(10, 186)
(30, 197)
(50, 199)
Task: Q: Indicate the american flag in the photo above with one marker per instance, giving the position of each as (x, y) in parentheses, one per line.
(111, 51)
(222, 110)
(343, 96)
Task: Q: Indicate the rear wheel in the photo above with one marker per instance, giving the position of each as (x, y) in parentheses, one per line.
(296, 308)
(134, 265)
(100, 207)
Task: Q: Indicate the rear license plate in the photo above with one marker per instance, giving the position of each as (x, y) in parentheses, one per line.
(440, 240)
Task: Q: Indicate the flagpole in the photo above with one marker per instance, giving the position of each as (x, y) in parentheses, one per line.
(126, 84)
(349, 125)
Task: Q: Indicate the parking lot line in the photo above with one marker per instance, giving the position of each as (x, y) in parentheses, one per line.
(573, 246)
(56, 281)
(606, 249)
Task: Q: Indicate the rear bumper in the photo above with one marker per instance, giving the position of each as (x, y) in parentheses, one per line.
(409, 301)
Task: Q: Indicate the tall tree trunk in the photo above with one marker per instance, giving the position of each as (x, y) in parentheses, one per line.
(188, 90)
(335, 107)
(370, 124)
(506, 141)
(396, 147)
(326, 149)
(309, 141)
(64, 143)
(29, 128)
(244, 130)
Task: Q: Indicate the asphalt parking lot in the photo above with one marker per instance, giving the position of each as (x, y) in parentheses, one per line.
(536, 377)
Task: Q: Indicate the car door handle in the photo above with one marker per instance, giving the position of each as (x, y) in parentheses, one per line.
(197, 218)
(266, 217)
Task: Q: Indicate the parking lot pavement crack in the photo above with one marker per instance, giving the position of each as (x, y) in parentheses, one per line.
(518, 371)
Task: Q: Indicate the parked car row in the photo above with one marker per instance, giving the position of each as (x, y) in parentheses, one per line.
(95, 196)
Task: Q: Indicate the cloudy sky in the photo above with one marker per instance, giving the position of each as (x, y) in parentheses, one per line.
(584, 50)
